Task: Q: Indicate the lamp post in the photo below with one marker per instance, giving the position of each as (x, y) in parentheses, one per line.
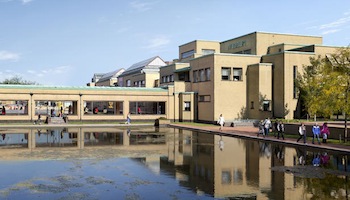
(80, 106)
(31, 107)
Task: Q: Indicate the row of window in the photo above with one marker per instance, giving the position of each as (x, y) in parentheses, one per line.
(188, 54)
(201, 75)
(139, 83)
(236, 73)
(168, 79)
(59, 108)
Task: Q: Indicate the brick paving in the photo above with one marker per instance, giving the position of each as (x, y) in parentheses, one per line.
(250, 132)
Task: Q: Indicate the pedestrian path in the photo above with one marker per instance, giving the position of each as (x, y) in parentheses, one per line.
(250, 132)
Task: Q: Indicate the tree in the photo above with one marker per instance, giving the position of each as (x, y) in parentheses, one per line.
(339, 82)
(17, 80)
(325, 85)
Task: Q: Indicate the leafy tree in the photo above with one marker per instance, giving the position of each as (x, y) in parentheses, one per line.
(325, 85)
(17, 80)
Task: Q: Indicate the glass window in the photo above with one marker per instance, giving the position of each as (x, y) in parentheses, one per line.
(128, 83)
(167, 79)
(143, 83)
(147, 107)
(201, 75)
(266, 105)
(181, 76)
(207, 74)
(13, 107)
(225, 73)
(103, 107)
(55, 108)
(172, 78)
(208, 51)
(195, 76)
(187, 54)
(187, 106)
(237, 74)
(226, 177)
(295, 76)
(204, 98)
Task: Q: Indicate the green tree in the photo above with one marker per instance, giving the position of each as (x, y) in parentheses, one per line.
(17, 80)
(310, 85)
(325, 85)
(338, 83)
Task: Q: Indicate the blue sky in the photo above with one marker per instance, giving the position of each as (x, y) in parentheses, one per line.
(64, 42)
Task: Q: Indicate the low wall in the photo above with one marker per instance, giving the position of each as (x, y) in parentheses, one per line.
(336, 132)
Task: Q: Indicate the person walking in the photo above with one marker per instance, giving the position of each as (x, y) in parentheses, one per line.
(267, 126)
(261, 128)
(316, 131)
(302, 133)
(280, 130)
(221, 121)
(3, 112)
(325, 132)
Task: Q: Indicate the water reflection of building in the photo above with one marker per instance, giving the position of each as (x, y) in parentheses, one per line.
(210, 164)
(241, 169)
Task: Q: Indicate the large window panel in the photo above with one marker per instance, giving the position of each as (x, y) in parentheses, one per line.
(146, 107)
(13, 107)
(55, 108)
(103, 107)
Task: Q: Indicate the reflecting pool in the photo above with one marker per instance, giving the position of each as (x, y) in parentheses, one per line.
(162, 163)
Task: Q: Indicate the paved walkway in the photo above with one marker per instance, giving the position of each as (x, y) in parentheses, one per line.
(249, 132)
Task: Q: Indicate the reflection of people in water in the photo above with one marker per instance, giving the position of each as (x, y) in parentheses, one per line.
(316, 161)
(279, 152)
(221, 143)
(128, 132)
(324, 158)
(301, 156)
(39, 132)
(265, 149)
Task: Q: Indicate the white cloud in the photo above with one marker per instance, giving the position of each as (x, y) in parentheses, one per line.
(140, 6)
(6, 55)
(55, 70)
(330, 31)
(158, 42)
(26, 1)
(337, 23)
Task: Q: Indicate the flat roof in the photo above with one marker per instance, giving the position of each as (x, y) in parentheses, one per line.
(87, 88)
(256, 32)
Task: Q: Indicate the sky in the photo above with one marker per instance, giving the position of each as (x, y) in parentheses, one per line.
(65, 42)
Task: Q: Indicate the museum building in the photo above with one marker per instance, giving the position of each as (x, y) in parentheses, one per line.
(247, 77)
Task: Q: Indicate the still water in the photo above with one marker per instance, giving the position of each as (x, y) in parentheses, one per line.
(162, 163)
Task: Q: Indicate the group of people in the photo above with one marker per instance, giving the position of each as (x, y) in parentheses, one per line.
(266, 125)
(317, 132)
(278, 127)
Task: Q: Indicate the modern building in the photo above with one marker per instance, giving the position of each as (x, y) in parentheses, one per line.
(247, 77)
